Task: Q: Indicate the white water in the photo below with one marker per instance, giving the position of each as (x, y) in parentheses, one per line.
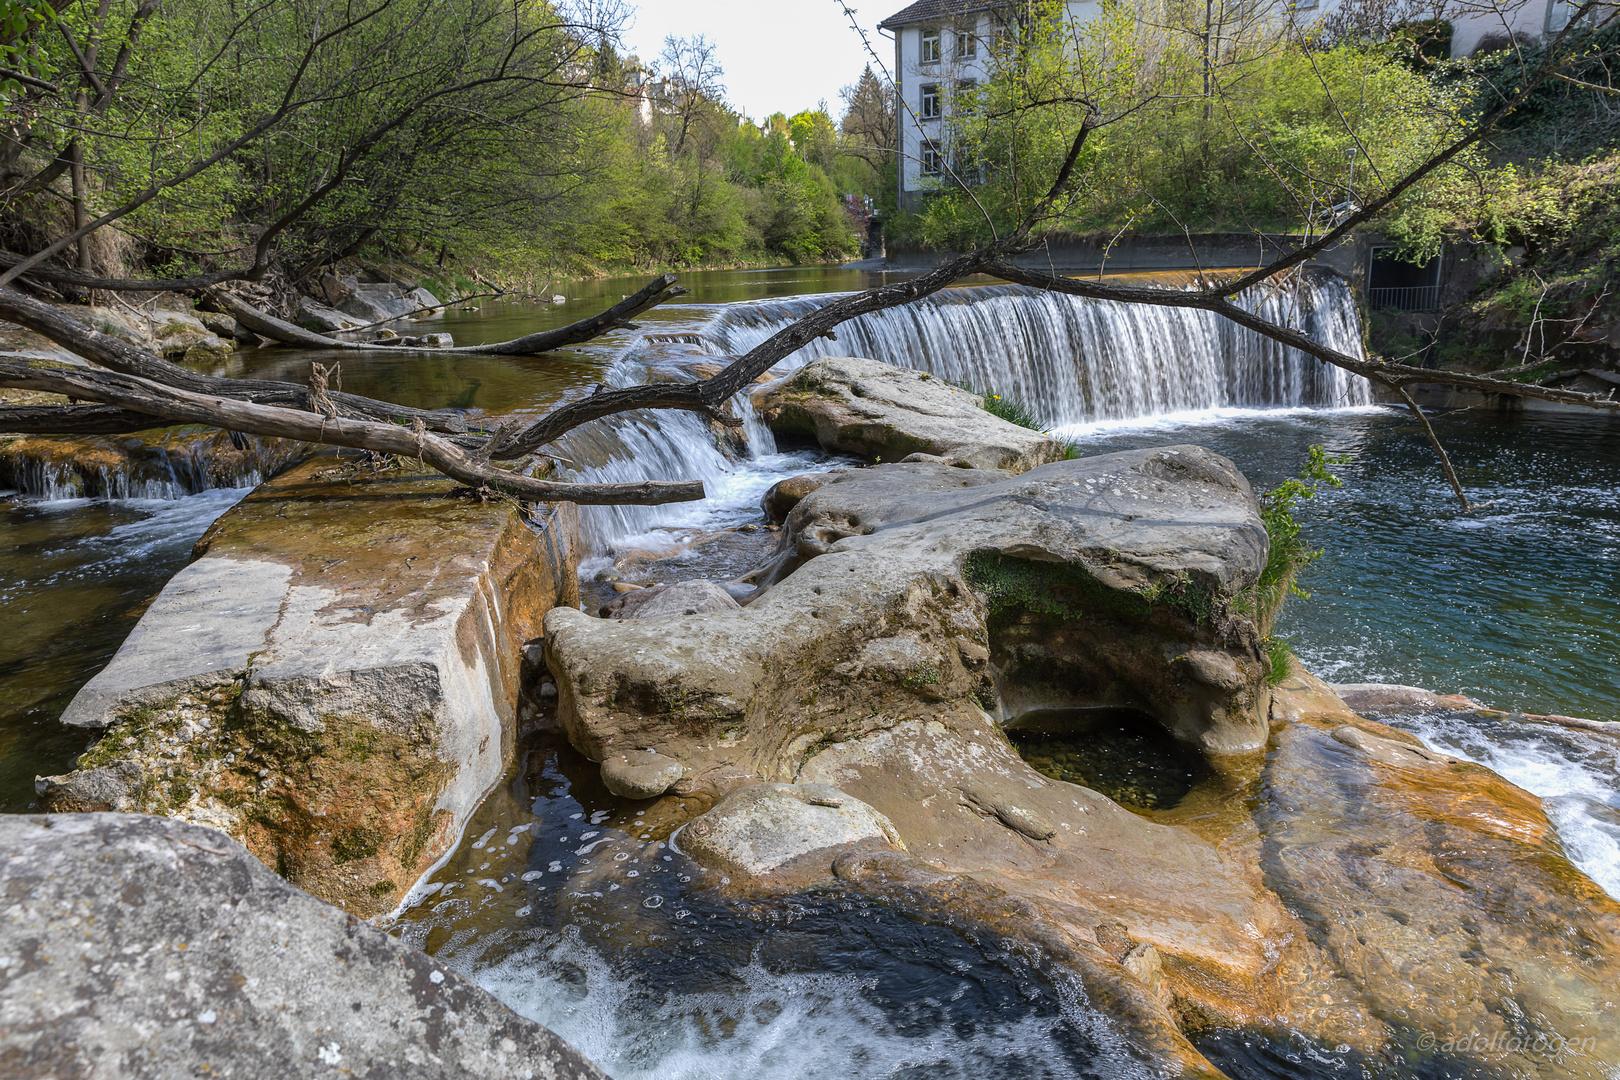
(1572, 772)
(1075, 361)
(777, 1026)
(1078, 361)
(150, 473)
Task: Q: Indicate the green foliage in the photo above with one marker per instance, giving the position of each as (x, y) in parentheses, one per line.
(1256, 136)
(1279, 660)
(1015, 411)
(1289, 552)
(471, 129)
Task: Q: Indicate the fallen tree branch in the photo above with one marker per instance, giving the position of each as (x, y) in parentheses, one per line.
(618, 316)
(1440, 451)
(75, 420)
(115, 355)
(183, 407)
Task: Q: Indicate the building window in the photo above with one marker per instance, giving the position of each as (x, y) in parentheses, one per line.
(967, 43)
(933, 161)
(930, 102)
(930, 47)
(962, 103)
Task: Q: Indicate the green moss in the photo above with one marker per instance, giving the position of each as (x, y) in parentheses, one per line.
(1069, 591)
(354, 844)
(923, 676)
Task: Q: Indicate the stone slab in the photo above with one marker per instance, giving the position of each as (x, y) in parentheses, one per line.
(138, 947)
(334, 680)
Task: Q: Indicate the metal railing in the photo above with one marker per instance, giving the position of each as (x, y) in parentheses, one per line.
(1416, 298)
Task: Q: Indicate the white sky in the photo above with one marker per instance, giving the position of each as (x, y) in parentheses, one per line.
(778, 55)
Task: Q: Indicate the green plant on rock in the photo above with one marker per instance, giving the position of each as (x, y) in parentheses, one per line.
(1279, 660)
(1017, 412)
(1290, 553)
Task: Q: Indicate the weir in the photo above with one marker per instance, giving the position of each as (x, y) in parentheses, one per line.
(1072, 361)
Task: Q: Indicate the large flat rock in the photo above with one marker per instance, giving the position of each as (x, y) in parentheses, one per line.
(139, 947)
(885, 413)
(334, 680)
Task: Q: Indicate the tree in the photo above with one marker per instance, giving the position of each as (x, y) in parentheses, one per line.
(137, 383)
(693, 68)
(319, 126)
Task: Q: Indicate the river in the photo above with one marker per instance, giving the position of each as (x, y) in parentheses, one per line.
(1516, 604)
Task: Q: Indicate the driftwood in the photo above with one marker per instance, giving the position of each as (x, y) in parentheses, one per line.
(184, 407)
(616, 317)
(109, 352)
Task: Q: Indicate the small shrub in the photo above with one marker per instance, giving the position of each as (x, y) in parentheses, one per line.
(1289, 551)
(1279, 660)
(1014, 411)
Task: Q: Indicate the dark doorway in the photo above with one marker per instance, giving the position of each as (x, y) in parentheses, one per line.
(1396, 285)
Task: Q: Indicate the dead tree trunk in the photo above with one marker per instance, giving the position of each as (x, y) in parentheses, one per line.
(616, 317)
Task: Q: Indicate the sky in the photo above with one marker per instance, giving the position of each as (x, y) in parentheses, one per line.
(778, 55)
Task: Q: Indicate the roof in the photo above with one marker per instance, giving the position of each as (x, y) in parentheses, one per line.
(929, 10)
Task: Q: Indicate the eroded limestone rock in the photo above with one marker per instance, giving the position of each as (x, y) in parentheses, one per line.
(909, 588)
(886, 413)
(143, 947)
(333, 681)
(1350, 891)
(785, 834)
(641, 774)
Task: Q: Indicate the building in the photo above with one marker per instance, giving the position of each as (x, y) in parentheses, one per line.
(943, 47)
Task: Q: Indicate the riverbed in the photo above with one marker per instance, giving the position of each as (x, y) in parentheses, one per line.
(1516, 604)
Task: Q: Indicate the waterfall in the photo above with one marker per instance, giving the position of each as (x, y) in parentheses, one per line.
(161, 466)
(1073, 361)
(1077, 361)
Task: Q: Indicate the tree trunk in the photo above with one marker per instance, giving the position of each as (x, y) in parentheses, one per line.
(616, 317)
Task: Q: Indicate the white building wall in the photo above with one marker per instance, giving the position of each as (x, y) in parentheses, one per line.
(1472, 22)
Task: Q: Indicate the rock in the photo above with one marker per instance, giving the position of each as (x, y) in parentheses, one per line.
(422, 299)
(384, 334)
(362, 649)
(781, 497)
(784, 833)
(209, 349)
(1085, 581)
(179, 332)
(221, 326)
(640, 774)
(438, 341)
(372, 304)
(313, 316)
(1443, 896)
(1384, 697)
(140, 947)
(119, 325)
(334, 291)
(559, 299)
(886, 413)
(682, 598)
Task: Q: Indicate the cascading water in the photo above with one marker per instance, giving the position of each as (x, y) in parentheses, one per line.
(1073, 360)
(164, 469)
(1078, 361)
